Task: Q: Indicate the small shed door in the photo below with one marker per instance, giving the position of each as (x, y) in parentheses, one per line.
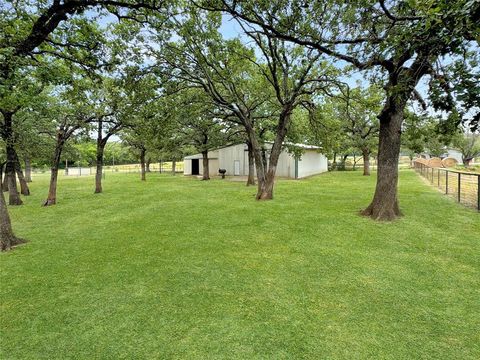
(195, 167)
(236, 167)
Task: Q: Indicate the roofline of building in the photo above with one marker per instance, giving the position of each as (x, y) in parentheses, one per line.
(302, 146)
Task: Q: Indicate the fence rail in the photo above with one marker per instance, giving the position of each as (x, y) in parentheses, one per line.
(464, 187)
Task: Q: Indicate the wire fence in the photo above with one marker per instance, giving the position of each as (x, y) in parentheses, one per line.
(464, 187)
(126, 168)
(154, 167)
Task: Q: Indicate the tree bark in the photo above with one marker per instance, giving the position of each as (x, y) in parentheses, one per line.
(52, 191)
(21, 178)
(251, 165)
(11, 180)
(1, 170)
(4, 183)
(99, 164)
(7, 238)
(174, 167)
(266, 172)
(401, 84)
(366, 162)
(99, 157)
(142, 164)
(28, 170)
(3, 179)
(384, 205)
(10, 173)
(264, 157)
(265, 187)
(206, 170)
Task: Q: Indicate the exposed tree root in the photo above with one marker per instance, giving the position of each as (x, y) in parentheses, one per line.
(49, 202)
(382, 213)
(11, 242)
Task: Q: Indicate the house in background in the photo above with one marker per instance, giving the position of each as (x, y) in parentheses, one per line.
(457, 155)
(451, 153)
(234, 159)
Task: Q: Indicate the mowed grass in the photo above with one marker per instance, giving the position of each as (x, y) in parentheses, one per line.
(176, 268)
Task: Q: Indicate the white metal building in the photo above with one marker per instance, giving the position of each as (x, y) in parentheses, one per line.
(193, 164)
(234, 159)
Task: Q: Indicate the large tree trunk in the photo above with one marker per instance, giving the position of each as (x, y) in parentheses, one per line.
(206, 170)
(401, 84)
(21, 179)
(366, 162)
(14, 196)
(7, 238)
(384, 205)
(28, 170)
(266, 179)
(10, 173)
(264, 191)
(264, 157)
(174, 167)
(143, 167)
(259, 166)
(99, 163)
(52, 191)
(99, 157)
(251, 165)
(265, 187)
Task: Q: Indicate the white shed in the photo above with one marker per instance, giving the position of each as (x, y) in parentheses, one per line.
(193, 164)
(234, 159)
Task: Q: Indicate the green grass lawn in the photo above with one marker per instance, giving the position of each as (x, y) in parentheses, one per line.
(178, 268)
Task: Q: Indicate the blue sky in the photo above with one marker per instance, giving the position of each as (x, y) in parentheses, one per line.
(229, 28)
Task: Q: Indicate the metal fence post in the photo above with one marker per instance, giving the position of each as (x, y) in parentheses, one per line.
(438, 178)
(459, 186)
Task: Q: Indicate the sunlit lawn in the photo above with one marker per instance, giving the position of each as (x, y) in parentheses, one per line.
(184, 269)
